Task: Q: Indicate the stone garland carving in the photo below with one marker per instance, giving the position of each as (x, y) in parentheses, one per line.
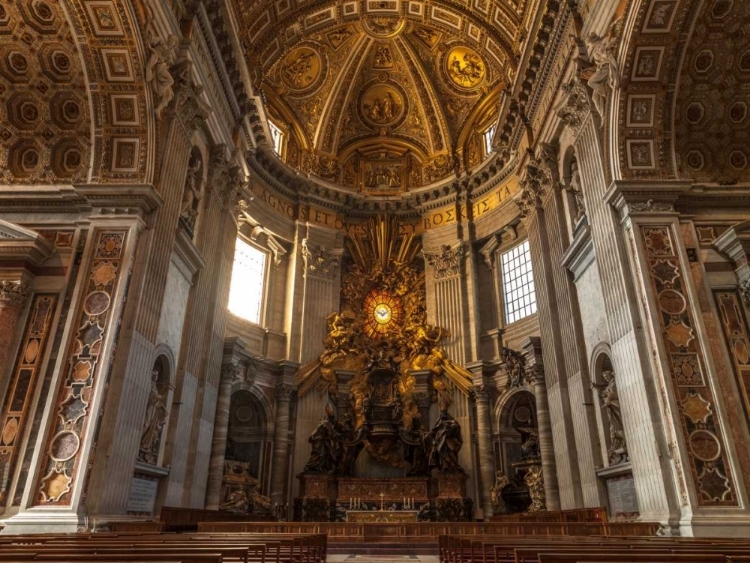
(192, 193)
(189, 105)
(603, 55)
(618, 449)
(14, 294)
(574, 105)
(447, 262)
(744, 288)
(155, 419)
(15, 413)
(225, 178)
(515, 367)
(320, 261)
(163, 53)
(59, 467)
(737, 334)
(707, 459)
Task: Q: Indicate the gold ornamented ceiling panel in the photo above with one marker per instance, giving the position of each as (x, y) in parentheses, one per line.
(381, 95)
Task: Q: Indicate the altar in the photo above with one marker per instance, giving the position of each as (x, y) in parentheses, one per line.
(382, 516)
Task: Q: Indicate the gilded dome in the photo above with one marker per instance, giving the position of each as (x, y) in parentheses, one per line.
(381, 97)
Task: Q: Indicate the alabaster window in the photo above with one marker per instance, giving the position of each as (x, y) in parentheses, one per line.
(248, 282)
(277, 135)
(518, 283)
(488, 136)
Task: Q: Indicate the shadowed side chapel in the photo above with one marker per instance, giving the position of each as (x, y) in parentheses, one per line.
(359, 280)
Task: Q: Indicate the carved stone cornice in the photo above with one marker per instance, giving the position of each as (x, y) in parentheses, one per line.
(447, 262)
(14, 293)
(285, 392)
(320, 261)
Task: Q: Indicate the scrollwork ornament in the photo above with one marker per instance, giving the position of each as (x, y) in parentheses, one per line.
(447, 262)
(14, 294)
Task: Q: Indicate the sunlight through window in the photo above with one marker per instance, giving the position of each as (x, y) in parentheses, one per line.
(518, 283)
(248, 279)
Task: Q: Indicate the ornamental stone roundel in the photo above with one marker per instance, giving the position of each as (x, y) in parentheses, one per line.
(705, 445)
(64, 446)
(465, 68)
(302, 69)
(382, 105)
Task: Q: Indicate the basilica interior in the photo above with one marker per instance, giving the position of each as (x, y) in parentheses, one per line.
(370, 263)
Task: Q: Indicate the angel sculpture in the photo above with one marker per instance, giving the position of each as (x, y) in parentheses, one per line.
(159, 67)
(603, 55)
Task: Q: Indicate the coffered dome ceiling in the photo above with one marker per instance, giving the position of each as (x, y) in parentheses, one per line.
(381, 96)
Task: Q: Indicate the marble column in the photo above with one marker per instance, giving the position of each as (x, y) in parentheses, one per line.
(482, 395)
(13, 296)
(280, 469)
(535, 376)
(229, 373)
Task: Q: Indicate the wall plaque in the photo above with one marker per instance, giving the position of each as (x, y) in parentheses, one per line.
(142, 495)
(623, 502)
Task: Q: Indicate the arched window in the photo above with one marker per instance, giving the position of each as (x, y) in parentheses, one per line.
(247, 289)
(487, 137)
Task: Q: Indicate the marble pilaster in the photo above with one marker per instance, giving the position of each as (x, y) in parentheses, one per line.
(279, 468)
(535, 376)
(229, 373)
(482, 398)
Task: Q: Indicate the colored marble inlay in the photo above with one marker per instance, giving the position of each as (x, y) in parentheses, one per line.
(735, 326)
(709, 465)
(83, 370)
(23, 382)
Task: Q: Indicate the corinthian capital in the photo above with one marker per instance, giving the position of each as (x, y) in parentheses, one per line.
(481, 393)
(534, 374)
(285, 392)
(447, 262)
(533, 186)
(14, 294)
(321, 260)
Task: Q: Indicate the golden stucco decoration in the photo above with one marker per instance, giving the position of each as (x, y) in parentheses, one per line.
(301, 68)
(465, 68)
(383, 316)
(382, 105)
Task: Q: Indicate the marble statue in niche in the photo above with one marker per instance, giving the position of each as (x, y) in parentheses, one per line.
(575, 189)
(163, 54)
(618, 451)
(515, 367)
(326, 441)
(155, 419)
(498, 504)
(192, 194)
(445, 443)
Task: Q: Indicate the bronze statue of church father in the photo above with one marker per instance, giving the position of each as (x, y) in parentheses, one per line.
(374, 456)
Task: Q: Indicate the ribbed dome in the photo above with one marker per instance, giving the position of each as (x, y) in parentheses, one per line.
(380, 96)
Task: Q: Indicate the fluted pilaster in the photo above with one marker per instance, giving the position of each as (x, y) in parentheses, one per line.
(482, 397)
(13, 297)
(280, 470)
